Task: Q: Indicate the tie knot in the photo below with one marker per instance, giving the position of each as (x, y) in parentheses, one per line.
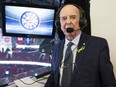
(70, 44)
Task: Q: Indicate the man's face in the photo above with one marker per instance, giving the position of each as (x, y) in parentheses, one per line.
(69, 17)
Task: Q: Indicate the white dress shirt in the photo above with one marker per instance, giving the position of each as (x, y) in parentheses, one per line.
(73, 48)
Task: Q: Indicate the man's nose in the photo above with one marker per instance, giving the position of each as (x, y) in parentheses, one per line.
(68, 21)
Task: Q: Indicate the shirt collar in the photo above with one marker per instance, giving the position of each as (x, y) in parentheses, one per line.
(75, 40)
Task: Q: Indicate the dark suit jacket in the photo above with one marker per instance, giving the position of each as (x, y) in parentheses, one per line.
(93, 67)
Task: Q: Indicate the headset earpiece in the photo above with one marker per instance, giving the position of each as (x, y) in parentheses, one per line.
(57, 23)
(82, 23)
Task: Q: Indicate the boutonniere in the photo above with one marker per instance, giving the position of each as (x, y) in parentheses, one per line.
(81, 48)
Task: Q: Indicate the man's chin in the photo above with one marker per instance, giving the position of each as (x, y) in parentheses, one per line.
(69, 37)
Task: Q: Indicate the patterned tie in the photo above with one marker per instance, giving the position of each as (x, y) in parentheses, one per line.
(67, 70)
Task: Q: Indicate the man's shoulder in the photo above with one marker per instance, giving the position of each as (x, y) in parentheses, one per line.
(95, 38)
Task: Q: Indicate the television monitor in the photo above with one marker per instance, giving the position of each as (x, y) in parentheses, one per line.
(24, 20)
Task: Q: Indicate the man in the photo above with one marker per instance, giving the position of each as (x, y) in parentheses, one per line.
(91, 62)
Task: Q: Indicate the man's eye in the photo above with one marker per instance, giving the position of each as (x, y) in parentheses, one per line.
(63, 18)
(73, 17)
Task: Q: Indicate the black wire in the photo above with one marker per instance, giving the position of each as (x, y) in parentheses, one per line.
(68, 56)
(76, 67)
(43, 78)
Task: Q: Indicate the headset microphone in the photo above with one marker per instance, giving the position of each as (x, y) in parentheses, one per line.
(69, 30)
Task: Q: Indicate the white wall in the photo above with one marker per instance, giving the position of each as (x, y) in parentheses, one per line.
(103, 23)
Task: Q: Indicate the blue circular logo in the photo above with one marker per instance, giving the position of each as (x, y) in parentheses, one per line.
(29, 20)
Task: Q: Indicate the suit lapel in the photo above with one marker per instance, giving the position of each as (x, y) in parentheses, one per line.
(59, 62)
(61, 52)
(79, 56)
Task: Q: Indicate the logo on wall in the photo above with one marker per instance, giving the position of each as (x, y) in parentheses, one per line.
(7, 39)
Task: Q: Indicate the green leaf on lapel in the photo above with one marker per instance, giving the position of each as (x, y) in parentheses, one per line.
(80, 49)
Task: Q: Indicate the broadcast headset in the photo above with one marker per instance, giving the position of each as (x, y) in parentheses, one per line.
(82, 21)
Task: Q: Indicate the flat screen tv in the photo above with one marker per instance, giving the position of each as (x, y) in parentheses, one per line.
(24, 20)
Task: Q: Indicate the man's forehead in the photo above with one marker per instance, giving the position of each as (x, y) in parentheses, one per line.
(67, 7)
(69, 10)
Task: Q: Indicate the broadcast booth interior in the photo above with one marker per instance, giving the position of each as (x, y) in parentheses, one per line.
(24, 52)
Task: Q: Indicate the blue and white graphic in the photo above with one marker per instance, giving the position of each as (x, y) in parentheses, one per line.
(29, 20)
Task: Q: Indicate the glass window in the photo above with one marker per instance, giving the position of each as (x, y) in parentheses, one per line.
(22, 56)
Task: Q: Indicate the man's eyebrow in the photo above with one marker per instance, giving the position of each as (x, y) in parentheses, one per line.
(69, 16)
(73, 15)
